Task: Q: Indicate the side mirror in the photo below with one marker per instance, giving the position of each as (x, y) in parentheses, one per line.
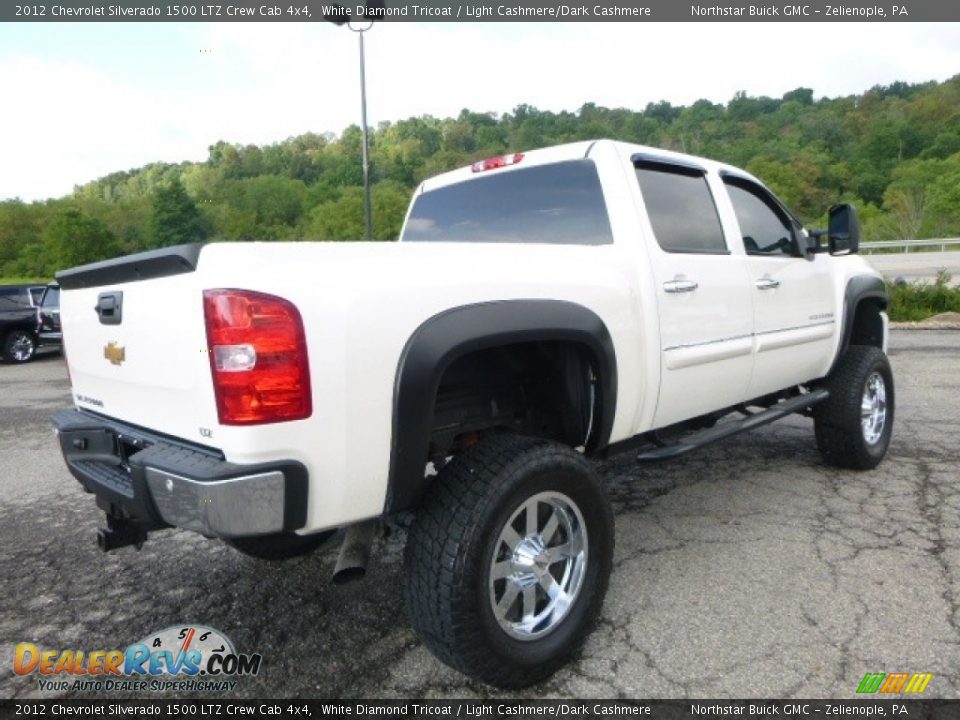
(843, 233)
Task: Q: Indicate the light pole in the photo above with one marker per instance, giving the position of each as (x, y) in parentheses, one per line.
(360, 28)
(339, 15)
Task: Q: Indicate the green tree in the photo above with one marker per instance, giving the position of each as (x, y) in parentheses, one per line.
(945, 198)
(923, 199)
(18, 230)
(74, 238)
(176, 219)
(342, 219)
(892, 150)
(267, 207)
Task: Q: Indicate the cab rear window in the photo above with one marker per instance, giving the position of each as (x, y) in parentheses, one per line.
(561, 204)
(12, 297)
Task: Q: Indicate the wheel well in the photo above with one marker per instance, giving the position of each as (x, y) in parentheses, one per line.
(498, 365)
(867, 324)
(544, 389)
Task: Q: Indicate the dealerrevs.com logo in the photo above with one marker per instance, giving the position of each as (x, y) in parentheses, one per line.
(180, 658)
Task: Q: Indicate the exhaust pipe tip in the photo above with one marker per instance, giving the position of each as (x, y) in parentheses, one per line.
(355, 552)
(346, 575)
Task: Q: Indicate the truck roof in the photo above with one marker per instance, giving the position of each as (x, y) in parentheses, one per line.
(572, 151)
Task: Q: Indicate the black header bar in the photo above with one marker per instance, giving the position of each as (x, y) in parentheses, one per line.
(209, 707)
(480, 11)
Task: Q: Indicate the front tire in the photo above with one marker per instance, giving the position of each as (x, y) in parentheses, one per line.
(19, 347)
(854, 425)
(508, 560)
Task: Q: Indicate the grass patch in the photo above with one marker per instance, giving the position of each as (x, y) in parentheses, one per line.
(914, 301)
(22, 281)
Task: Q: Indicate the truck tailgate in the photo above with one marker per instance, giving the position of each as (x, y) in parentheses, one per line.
(136, 344)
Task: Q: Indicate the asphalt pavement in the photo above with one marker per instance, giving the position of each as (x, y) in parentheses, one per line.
(748, 569)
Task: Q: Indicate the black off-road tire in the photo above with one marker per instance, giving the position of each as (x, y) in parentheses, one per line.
(451, 546)
(837, 421)
(17, 338)
(279, 547)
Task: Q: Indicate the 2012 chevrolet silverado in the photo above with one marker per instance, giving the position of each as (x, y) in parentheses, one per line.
(541, 309)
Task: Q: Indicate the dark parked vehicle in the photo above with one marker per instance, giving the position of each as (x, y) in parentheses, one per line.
(25, 295)
(18, 321)
(49, 333)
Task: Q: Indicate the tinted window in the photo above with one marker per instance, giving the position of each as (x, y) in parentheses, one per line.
(14, 296)
(681, 210)
(560, 203)
(765, 229)
(52, 298)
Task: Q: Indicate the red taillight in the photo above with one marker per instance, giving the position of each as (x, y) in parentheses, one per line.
(496, 162)
(258, 357)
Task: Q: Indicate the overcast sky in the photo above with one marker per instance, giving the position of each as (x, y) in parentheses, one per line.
(86, 99)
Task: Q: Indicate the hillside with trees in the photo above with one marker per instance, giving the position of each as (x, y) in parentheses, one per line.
(894, 151)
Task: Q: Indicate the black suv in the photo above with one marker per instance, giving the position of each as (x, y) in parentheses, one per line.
(18, 321)
(29, 319)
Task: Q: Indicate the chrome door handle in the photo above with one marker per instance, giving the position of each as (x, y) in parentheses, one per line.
(680, 286)
(767, 284)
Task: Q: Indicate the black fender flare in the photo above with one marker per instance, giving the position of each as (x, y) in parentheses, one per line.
(451, 334)
(859, 288)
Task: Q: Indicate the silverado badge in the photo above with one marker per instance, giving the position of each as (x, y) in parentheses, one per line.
(116, 354)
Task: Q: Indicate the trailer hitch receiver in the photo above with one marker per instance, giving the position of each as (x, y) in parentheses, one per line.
(120, 533)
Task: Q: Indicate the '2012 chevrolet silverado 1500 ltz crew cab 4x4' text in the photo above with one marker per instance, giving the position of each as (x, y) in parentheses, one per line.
(539, 310)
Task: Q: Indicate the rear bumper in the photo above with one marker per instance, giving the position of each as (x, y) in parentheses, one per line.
(154, 481)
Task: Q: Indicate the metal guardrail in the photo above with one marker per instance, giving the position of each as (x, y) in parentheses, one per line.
(905, 245)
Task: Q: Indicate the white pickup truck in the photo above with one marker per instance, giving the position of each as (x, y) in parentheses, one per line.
(540, 310)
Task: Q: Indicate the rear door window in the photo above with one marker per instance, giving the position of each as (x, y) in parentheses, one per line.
(681, 209)
(561, 203)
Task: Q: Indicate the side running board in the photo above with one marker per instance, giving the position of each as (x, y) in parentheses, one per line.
(712, 435)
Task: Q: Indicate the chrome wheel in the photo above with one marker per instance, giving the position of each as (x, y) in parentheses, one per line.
(538, 566)
(873, 408)
(21, 348)
(501, 582)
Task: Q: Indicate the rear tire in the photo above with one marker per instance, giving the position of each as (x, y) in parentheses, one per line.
(19, 346)
(508, 560)
(854, 425)
(279, 547)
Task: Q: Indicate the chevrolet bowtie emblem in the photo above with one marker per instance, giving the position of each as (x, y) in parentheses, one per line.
(116, 354)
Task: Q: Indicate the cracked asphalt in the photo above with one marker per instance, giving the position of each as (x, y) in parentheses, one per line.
(748, 569)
